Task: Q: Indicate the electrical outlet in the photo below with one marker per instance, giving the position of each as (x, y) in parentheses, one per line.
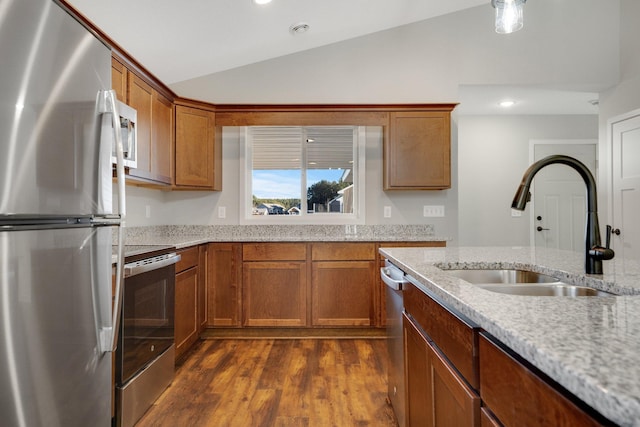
(433, 211)
(222, 212)
(147, 211)
(387, 211)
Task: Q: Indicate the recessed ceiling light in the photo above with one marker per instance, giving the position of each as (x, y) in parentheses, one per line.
(299, 28)
(261, 1)
(507, 104)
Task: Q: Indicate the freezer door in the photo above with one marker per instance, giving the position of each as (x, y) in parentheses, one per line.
(55, 294)
(52, 70)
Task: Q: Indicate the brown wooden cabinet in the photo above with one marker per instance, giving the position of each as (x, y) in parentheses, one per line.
(518, 396)
(192, 273)
(203, 278)
(417, 151)
(449, 345)
(154, 126)
(224, 284)
(119, 79)
(343, 278)
(187, 290)
(162, 139)
(417, 378)
(436, 394)
(198, 149)
(274, 284)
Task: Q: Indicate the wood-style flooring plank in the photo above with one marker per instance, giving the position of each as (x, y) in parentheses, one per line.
(282, 383)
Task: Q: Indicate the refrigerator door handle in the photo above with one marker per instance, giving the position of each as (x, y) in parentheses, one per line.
(109, 335)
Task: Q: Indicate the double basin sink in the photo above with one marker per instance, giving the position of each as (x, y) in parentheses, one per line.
(521, 282)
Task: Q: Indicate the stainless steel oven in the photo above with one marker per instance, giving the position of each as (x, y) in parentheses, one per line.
(146, 350)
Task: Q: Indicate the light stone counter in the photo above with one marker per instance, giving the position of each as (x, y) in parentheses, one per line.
(185, 236)
(589, 345)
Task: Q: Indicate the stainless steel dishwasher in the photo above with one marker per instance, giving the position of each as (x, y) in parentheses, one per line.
(393, 277)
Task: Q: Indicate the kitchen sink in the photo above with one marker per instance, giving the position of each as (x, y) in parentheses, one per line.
(521, 282)
(559, 289)
(501, 276)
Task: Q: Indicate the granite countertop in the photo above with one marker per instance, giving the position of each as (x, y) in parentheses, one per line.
(589, 345)
(185, 236)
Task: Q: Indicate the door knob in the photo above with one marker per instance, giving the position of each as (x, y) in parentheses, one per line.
(540, 228)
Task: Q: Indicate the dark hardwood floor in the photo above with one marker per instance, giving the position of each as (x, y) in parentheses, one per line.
(278, 382)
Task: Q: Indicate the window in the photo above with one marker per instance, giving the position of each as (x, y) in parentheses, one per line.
(306, 175)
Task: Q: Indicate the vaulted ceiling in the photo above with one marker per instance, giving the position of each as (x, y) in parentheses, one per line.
(182, 40)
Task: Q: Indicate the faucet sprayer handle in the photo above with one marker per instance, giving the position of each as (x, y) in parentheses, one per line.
(606, 253)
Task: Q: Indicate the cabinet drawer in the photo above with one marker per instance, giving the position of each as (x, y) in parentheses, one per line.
(189, 258)
(519, 397)
(455, 338)
(274, 252)
(343, 251)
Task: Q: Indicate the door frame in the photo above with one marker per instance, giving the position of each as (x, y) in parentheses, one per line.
(608, 174)
(532, 145)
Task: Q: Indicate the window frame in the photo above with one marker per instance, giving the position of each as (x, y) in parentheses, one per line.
(318, 218)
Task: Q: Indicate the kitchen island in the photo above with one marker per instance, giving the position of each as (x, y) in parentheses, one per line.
(588, 345)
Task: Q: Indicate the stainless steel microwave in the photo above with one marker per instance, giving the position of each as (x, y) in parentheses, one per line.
(128, 120)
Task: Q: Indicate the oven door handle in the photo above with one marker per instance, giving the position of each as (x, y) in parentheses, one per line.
(133, 269)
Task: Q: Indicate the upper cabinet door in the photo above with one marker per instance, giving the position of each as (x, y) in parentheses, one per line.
(119, 79)
(417, 151)
(198, 151)
(141, 98)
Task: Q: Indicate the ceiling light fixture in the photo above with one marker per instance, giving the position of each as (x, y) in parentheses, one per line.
(261, 2)
(508, 15)
(507, 104)
(299, 28)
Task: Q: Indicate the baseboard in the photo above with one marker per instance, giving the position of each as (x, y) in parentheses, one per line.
(294, 333)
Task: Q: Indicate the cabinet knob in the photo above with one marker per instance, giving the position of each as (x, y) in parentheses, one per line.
(540, 228)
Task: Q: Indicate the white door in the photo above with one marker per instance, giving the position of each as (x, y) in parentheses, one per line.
(559, 196)
(625, 139)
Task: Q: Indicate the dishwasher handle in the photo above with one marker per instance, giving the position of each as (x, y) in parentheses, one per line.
(395, 284)
(144, 266)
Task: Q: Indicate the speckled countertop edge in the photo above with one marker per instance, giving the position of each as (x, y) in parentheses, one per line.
(185, 236)
(591, 346)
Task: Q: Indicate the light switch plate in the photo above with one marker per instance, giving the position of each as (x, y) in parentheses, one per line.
(516, 213)
(433, 211)
(387, 211)
(222, 212)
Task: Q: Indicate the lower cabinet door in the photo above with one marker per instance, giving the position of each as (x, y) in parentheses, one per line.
(418, 377)
(342, 293)
(436, 394)
(454, 402)
(186, 318)
(274, 293)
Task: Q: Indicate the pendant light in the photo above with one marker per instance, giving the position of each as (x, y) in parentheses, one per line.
(508, 15)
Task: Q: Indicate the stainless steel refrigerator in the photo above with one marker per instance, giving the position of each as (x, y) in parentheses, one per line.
(56, 219)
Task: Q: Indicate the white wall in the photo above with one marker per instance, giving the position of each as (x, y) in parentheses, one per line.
(493, 155)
